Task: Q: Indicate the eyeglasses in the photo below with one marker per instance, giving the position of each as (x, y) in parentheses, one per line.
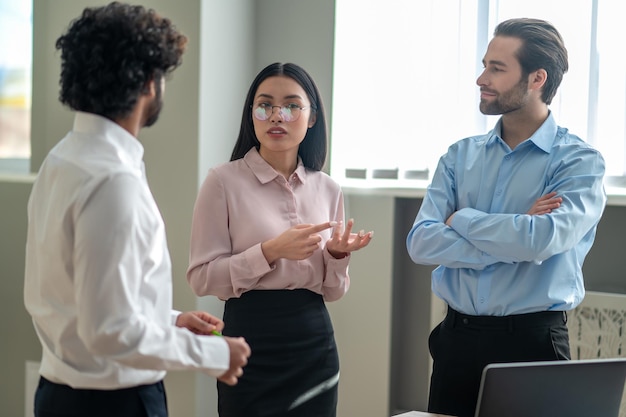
(289, 112)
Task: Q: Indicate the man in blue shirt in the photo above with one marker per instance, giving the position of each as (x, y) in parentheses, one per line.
(509, 218)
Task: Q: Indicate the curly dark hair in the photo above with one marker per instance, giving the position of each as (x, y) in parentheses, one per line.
(110, 53)
(314, 146)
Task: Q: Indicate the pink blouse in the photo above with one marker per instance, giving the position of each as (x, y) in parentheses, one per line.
(246, 202)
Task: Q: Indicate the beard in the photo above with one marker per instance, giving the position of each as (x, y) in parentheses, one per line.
(154, 110)
(508, 101)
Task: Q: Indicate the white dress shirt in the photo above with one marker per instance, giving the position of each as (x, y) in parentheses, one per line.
(98, 281)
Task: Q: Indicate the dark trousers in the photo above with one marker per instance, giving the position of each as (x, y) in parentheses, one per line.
(57, 400)
(462, 345)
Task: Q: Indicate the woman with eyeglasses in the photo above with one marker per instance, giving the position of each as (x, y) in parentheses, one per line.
(269, 238)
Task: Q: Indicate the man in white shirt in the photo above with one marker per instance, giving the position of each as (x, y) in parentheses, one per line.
(98, 281)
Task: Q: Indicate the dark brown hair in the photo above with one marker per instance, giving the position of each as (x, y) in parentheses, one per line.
(542, 47)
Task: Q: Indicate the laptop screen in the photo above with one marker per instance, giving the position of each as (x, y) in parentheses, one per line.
(577, 388)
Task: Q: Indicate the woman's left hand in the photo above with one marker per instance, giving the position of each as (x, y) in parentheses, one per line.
(343, 242)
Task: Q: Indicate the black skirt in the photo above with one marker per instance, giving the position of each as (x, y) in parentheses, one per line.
(294, 366)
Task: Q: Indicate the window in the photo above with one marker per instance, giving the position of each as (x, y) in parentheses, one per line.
(15, 83)
(405, 88)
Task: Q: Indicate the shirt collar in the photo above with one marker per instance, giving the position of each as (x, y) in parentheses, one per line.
(264, 171)
(543, 137)
(127, 146)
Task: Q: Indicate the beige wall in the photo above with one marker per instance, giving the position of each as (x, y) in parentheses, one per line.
(18, 338)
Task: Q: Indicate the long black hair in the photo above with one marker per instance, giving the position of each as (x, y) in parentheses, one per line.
(313, 148)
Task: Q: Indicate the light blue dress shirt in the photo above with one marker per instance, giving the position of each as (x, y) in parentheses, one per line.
(494, 259)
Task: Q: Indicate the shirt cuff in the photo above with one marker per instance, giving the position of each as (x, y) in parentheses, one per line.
(462, 219)
(336, 261)
(256, 261)
(216, 357)
(173, 316)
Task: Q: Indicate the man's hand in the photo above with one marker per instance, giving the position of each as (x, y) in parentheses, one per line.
(545, 204)
(449, 220)
(239, 354)
(199, 322)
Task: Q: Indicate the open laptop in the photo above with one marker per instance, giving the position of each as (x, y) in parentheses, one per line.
(576, 388)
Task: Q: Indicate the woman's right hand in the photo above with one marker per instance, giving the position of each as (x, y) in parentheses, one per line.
(296, 243)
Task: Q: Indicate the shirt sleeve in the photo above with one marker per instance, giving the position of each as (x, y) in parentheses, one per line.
(213, 268)
(336, 278)
(535, 238)
(430, 241)
(117, 315)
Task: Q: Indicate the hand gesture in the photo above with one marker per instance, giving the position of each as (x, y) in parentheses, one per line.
(545, 204)
(239, 354)
(296, 243)
(199, 322)
(342, 243)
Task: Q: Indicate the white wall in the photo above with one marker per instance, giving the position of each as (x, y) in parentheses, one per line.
(226, 69)
(362, 318)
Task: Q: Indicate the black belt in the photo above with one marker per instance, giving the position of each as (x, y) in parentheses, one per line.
(514, 321)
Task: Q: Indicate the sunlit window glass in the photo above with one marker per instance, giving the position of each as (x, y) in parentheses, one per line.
(15, 78)
(405, 72)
